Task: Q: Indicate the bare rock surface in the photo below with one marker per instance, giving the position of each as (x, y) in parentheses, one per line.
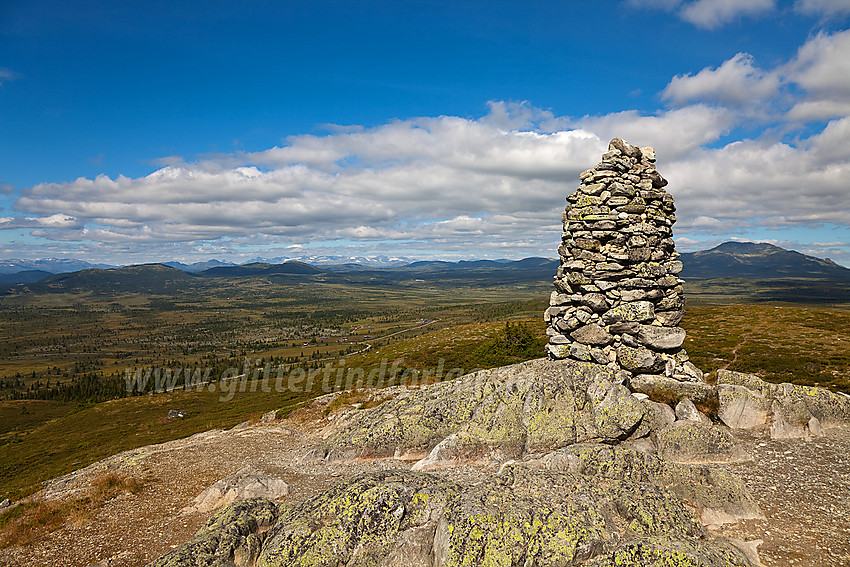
(525, 409)
(803, 488)
(791, 411)
(663, 387)
(696, 442)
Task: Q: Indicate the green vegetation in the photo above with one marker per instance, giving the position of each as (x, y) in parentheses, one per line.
(24, 415)
(78, 346)
(515, 343)
(807, 291)
(805, 345)
(97, 431)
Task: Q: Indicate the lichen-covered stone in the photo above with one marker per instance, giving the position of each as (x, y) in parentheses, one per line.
(661, 338)
(670, 390)
(719, 496)
(639, 311)
(368, 517)
(616, 413)
(639, 359)
(232, 537)
(669, 318)
(521, 516)
(579, 351)
(742, 408)
(664, 552)
(687, 411)
(592, 335)
(595, 301)
(558, 352)
(658, 417)
(497, 414)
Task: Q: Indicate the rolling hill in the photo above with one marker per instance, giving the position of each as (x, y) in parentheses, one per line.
(750, 260)
(24, 276)
(260, 269)
(144, 278)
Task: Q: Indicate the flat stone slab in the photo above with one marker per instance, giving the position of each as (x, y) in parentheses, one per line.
(245, 484)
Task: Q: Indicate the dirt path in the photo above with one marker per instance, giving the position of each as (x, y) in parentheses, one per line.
(744, 338)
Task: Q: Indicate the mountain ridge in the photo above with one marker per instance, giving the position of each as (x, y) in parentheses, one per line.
(735, 260)
(754, 260)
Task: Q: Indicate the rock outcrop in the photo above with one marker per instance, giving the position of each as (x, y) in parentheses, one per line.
(717, 496)
(520, 516)
(618, 299)
(493, 415)
(790, 410)
(696, 442)
(532, 408)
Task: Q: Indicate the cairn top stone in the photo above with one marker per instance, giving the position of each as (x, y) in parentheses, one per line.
(624, 148)
(618, 298)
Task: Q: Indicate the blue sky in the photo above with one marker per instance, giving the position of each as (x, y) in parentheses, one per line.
(145, 131)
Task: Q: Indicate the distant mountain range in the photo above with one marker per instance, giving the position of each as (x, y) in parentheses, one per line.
(379, 261)
(197, 266)
(66, 265)
(743, 260)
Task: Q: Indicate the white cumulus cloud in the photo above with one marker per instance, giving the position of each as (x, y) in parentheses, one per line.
(737, 81)
(426, 179)
(448, 184)
(822, 68)
(673, 133)
(55, 221)
(813, 85)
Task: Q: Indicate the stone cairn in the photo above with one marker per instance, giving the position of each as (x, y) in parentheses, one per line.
(618, 298)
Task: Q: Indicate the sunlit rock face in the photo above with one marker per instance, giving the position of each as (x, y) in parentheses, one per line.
(618, 298)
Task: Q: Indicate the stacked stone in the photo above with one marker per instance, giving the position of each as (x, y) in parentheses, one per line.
(618, 298)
